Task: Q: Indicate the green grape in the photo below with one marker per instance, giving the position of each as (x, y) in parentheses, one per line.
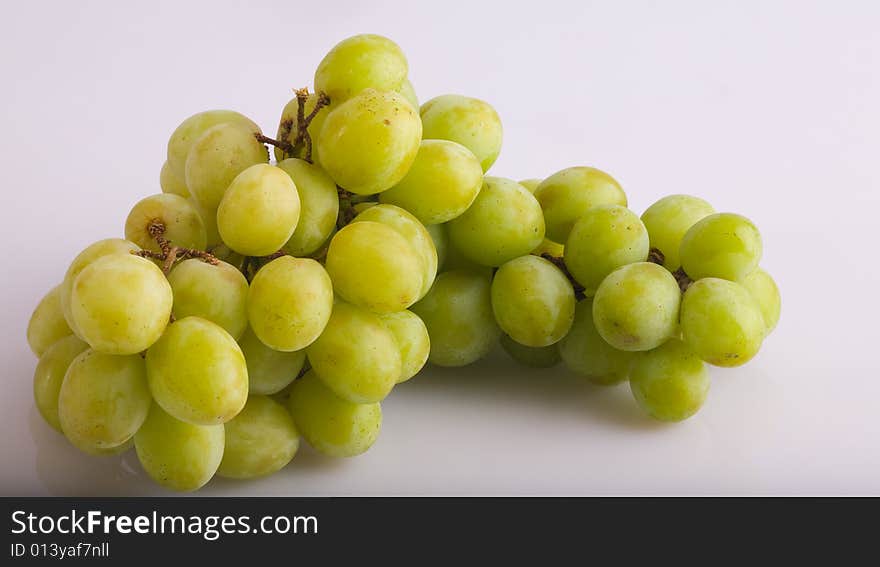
(289, 135)
(412, 338)
(289, 303)
(49, 375)
(120, 304)
(456, 260)
(409, 93)
(585, 352)
(47, 324)
(192, 128)
(357, 355)
(536, 357)
(259, 211)
(217, 157)
(368, 143)
(723, 245)
(103, 400)
(566, 195)
(669, 219)
(766, 294)
(371, 264)
(260, 440)
(530, 184)
(217, 293)
(361, 62)
(458, 314)
(605, 238)
(197, 372)
(320, 206)
(178, 455)
(441, 184)
(269, 371)
(171, 183)
(224, 254)
(669, 382)
(330, 424)
(547, 246)
(722, 322)
(183, 225)
(471, 122)
(209, 221)
(636, 307)
(441, 242)
(533, 301)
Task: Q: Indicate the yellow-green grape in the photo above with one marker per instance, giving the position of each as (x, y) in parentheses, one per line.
(224, 254)
(357, 355)
(289, 114)
(269, 370)
(47, 324)
(536, 357)
(217, 293)
(441, 242)
(259, 211)
(412, 338)
(471, 122)
(585, 352)
(723, 245)
(636, 307)
(49, 375)
(103, 400)
(217, 156)
(458, 314)
(503, 223)
(182, 222)
(669, 219)
(209, 220)
(566, 195)
(409, 93)
(120, 304)
(197, 372)
(320, 206)
(605, 238)
(330, 424)
(372, 265)
(531, 184)
(289, 303)
(361, 62)
(368, 143)
(669, 382)
(441, 184)
(533, 301)
(260, 440)
(456, 260)
(722, 322)
(171, 183)
(191, 129)
(178, 455)
(547, 246)
(766, 293)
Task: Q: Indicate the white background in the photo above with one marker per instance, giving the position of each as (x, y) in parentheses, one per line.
(769, 109)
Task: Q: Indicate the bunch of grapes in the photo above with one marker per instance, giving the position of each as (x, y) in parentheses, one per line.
(253, 303)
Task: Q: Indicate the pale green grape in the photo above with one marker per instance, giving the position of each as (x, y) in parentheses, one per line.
(722, 322)
(409, 93)
(458, 314)
(504, 222)
(456, 260)
(191, 129)
(357, 355)
(209, 220)
(330, 424)
(197, 372)
(260, 440)
(182, 222)
(471, 122)
(670, 382)
(566, 195)
(259, 211)
(533, 301)
(361, 62)
(178, 455)
(412, 338)
(171, 183)
(320, 206)
(536, 357)
(723, 245)
(766, 293)
(530, 184)
(289, 303)
(547, 246)
(605, 238)
(217, 293)
(636, 307)
(120, 304)
(584, 351)
(441, 184)
(441, 242)
(269, 370)
(47, 324)
(368, 143)
(49, 375)
(669, 219)
(289, 113)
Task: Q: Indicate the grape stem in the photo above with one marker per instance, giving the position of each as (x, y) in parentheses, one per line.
(302, 143)
(560, 263)
(656, 256)
(170, 254)
(346, 207)
(684, 280)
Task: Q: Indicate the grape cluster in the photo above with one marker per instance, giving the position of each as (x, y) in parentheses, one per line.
(253, 303)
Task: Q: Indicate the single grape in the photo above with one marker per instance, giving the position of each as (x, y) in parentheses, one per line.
(547, 246)
(412, 339)
(320, 206)
(669, 382)
(409, 93)
(192, 128)
(171, 183)
(585, 352)
(669, 219)
(441, 242)
(217, 293)
(536, 357)
(722, 322)
(504, 222)
(361, 62)
(181, 221)
(260, 440)
(49, 375)
(531, 184)
(766, 294)
(290, 133)
(47, 324)
(269, 370)
(636, 307)
(471, 122)
(209, 220)
(723, 245)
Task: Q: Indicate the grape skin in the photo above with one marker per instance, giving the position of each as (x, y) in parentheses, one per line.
(412, 338)
(320, 206)
(670, 382)
(471, 122)
(182, 223)
(169, 182)
(49, 375)
(361, 62)
(47, 324)
(530, 184)
(217, 293)
(259, 441)
(440, 238)
(409, 93)
(766, 293)
(669, 219)
(269, 371)
(585, 352)
(191, 129)
(289, 113)
(536, 357)
(723, 245)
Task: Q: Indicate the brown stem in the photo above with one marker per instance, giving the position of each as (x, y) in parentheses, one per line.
(684, 280)
(560, 263)
(346, 207)
(170, 258)
(170, 254)
(282, 144)
(656, 256)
